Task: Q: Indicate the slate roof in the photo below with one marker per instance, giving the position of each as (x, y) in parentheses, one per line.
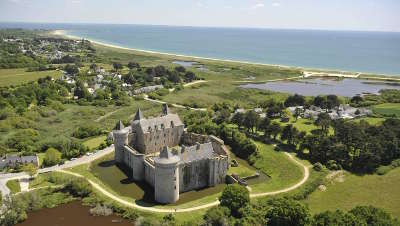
(196, 152)
(159, 123)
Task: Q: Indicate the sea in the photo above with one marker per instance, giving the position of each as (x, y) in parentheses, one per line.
(354, 51)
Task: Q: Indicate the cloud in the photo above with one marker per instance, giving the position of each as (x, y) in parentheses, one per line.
(257, 6)
(75, 1)
(276, 4)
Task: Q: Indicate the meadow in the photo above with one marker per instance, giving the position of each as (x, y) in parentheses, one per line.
(352, 190)
(387, 109)
(19, 76)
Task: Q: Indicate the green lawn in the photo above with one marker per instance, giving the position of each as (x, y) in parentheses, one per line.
(372, 121)
(278, 166)
(94, 143)
(387, 109)
(380, 191)
(19, 76)
(14, 186)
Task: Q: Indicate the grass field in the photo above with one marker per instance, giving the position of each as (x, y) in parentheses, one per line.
(372, 121)
(380, 191)
(94, 143)
(18, 76)
(14, 186)
(387, 109)
(282, 171)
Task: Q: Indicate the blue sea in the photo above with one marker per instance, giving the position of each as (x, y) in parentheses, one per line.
(371, 52)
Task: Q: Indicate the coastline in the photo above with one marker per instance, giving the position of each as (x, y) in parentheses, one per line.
(308, 72)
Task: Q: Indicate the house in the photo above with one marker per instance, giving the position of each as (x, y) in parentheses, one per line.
(13, 160)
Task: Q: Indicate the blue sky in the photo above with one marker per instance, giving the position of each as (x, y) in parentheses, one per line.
(378, 15)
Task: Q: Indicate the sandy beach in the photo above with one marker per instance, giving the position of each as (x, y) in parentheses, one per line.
(308, 72)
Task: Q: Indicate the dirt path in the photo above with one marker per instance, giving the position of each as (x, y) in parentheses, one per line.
(215, 203)
(106, 115)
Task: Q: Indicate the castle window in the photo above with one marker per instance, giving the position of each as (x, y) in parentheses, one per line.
(175, 187)
(162, 126)
(149, 128)
(155, 127)
(172, 124)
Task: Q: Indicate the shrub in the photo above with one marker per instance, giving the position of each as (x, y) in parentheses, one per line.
(79, 187)
(235, 197)
(52, 157)
(100, 210)
(318, 166)
(87, 131)
(130, 214)
(382, 170)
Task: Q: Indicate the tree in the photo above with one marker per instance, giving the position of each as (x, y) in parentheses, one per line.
(235, 197)
(275, 129)
(332, 101)
(189, 76)
(264, 126)
(297, 113)
(238, 119)
(180, 69)
(295, 100)
(131, 65)
(287, 212)
(320, 101)
(289, 134)
(337, 218)
(324, 121)
(174, 77)
(52, 157)
(373, 216)
(30, 169)
(160, 70)
(117, 66)
(217, 216)
(71, 69)
(356, 99)
(251, 120)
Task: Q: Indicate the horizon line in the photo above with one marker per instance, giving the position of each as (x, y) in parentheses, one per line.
(202, 26)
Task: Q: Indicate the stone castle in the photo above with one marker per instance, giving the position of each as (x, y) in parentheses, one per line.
(173, 161)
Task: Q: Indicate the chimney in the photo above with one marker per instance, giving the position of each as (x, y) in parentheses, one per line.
(165, 109)
(197, 146)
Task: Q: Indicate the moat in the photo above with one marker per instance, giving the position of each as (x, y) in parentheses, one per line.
(73, 213)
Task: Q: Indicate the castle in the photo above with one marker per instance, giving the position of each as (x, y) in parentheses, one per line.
(160, 151)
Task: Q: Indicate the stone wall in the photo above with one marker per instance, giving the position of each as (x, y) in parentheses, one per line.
(149, 173)
(193, 175)
(190, 139)
(166, 183)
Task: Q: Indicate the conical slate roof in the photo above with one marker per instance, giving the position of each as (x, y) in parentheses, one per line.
(139, 115)
(166, 157)
(119, 125)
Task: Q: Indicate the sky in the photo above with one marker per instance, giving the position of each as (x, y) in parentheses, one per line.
(369, 15)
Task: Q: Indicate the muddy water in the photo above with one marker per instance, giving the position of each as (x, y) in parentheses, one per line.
(71, 214)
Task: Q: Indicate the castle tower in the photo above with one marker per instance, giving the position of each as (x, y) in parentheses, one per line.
(166, 185)
(120, 140)
(138, 115)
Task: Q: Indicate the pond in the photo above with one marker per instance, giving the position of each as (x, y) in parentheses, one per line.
(195, 64)
(324, 86)
(72, 213)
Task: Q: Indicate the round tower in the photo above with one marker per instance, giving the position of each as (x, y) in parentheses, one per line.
(166, 184)
(120, 136)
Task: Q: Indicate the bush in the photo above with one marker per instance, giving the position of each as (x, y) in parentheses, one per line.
(130, 214)
(79, 187)
(235, 197)
(52, 157)
(87, 131)
(100, 210)
(382, 170)
(318, 166)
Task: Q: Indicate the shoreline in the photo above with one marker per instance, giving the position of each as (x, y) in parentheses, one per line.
(308, 72)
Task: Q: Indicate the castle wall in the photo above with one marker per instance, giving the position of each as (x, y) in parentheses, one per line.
(190, 139)
(135, 161)
(157, 139)
(193, 175)
(218, 169)
(149, 173)
(120, 140)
